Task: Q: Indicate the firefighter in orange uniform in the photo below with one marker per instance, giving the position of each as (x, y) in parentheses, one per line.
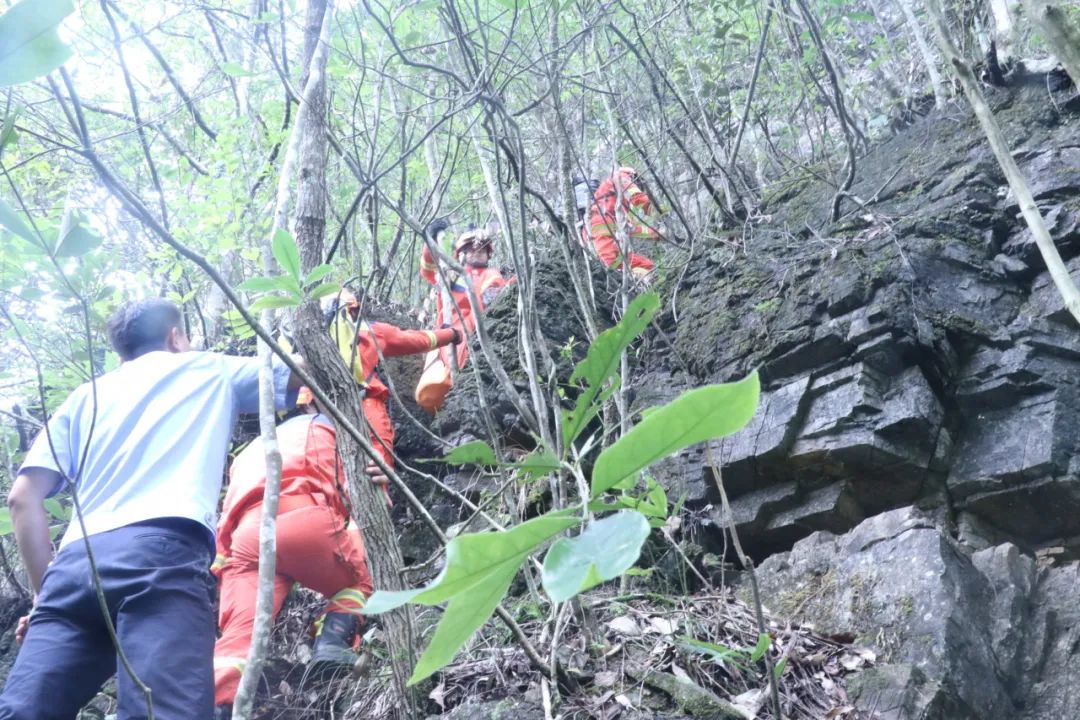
(637, 210)
(342, 316)
(473, 250)
(315, 547)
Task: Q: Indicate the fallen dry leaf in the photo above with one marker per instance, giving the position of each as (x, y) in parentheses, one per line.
(625, 625)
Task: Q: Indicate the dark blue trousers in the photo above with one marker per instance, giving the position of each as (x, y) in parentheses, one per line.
(159, 591)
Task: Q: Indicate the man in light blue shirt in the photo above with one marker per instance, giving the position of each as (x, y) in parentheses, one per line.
(144, 447)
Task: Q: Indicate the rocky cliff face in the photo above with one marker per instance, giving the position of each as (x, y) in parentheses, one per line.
(916, 356)
(913, 474)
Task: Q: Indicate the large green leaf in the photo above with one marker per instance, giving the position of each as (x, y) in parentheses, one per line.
(10, 219)
(476, 452)
(706, 413)
(286, 253)
(602, 362)
(76, 237)
(29, 44)
(479, 569)
(538, 463)
(271, 302)
(6, 526)
(269, 284)
(606, 549)
(471, 558)
(465, 614)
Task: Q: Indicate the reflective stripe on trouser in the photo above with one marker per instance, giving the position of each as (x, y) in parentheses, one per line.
(315, 549)
(608, 250)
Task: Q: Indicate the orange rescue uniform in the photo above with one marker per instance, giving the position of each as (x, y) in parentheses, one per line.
(636, 207)
(485, 281)
(392, 341)
(315, 547)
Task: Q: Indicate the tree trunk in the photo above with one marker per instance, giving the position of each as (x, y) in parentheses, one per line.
(1061, 36)
(929, 57)
(368, 505)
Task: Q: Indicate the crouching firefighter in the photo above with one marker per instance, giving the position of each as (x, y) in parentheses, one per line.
(316, 547)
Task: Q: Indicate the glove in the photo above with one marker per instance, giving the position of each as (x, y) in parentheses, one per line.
(457, 333)
(436, 226)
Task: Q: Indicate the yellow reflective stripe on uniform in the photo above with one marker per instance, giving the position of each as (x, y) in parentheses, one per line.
(434, 341)
(350, 594)
(219, 562)
(424, 265)
(230, 663)
(344, 332)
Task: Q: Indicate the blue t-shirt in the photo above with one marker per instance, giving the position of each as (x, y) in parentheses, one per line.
(158, 438)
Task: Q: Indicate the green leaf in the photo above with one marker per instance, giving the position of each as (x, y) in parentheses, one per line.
(472, 558)
(76, 237)
(323, 290)
(7, 134)
(29, 44)
(286, 253)
(233, 69)
(476, 452)
(465, 614)
(10, 219)
(705, 413)
(602, 362)
(56, 509)
(719, 653)
(268, 284)
(6, 526)
(763, 643)
(270, 302)
(604, 550)
(317, 273)
(779, 669)
(538, 463)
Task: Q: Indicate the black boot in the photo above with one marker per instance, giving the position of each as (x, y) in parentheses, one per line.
(223, 712)
(333, 645)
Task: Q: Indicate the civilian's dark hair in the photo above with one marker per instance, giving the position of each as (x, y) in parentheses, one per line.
(142, 326)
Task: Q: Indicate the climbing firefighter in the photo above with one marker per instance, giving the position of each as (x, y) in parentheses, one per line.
(637, 211)
(316, 547)
(342, 315)
(473, 250)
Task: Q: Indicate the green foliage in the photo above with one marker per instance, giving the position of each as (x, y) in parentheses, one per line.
(604, 550)
(10, 219)
(706, 413)
(740, 657)
(476, 452)
(29, 44)
(601, 364)
(283, 245)
(76, 237)
(479, 569)
(653, 503)
(7, 133)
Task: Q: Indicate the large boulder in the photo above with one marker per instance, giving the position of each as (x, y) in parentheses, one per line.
(957, 634)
